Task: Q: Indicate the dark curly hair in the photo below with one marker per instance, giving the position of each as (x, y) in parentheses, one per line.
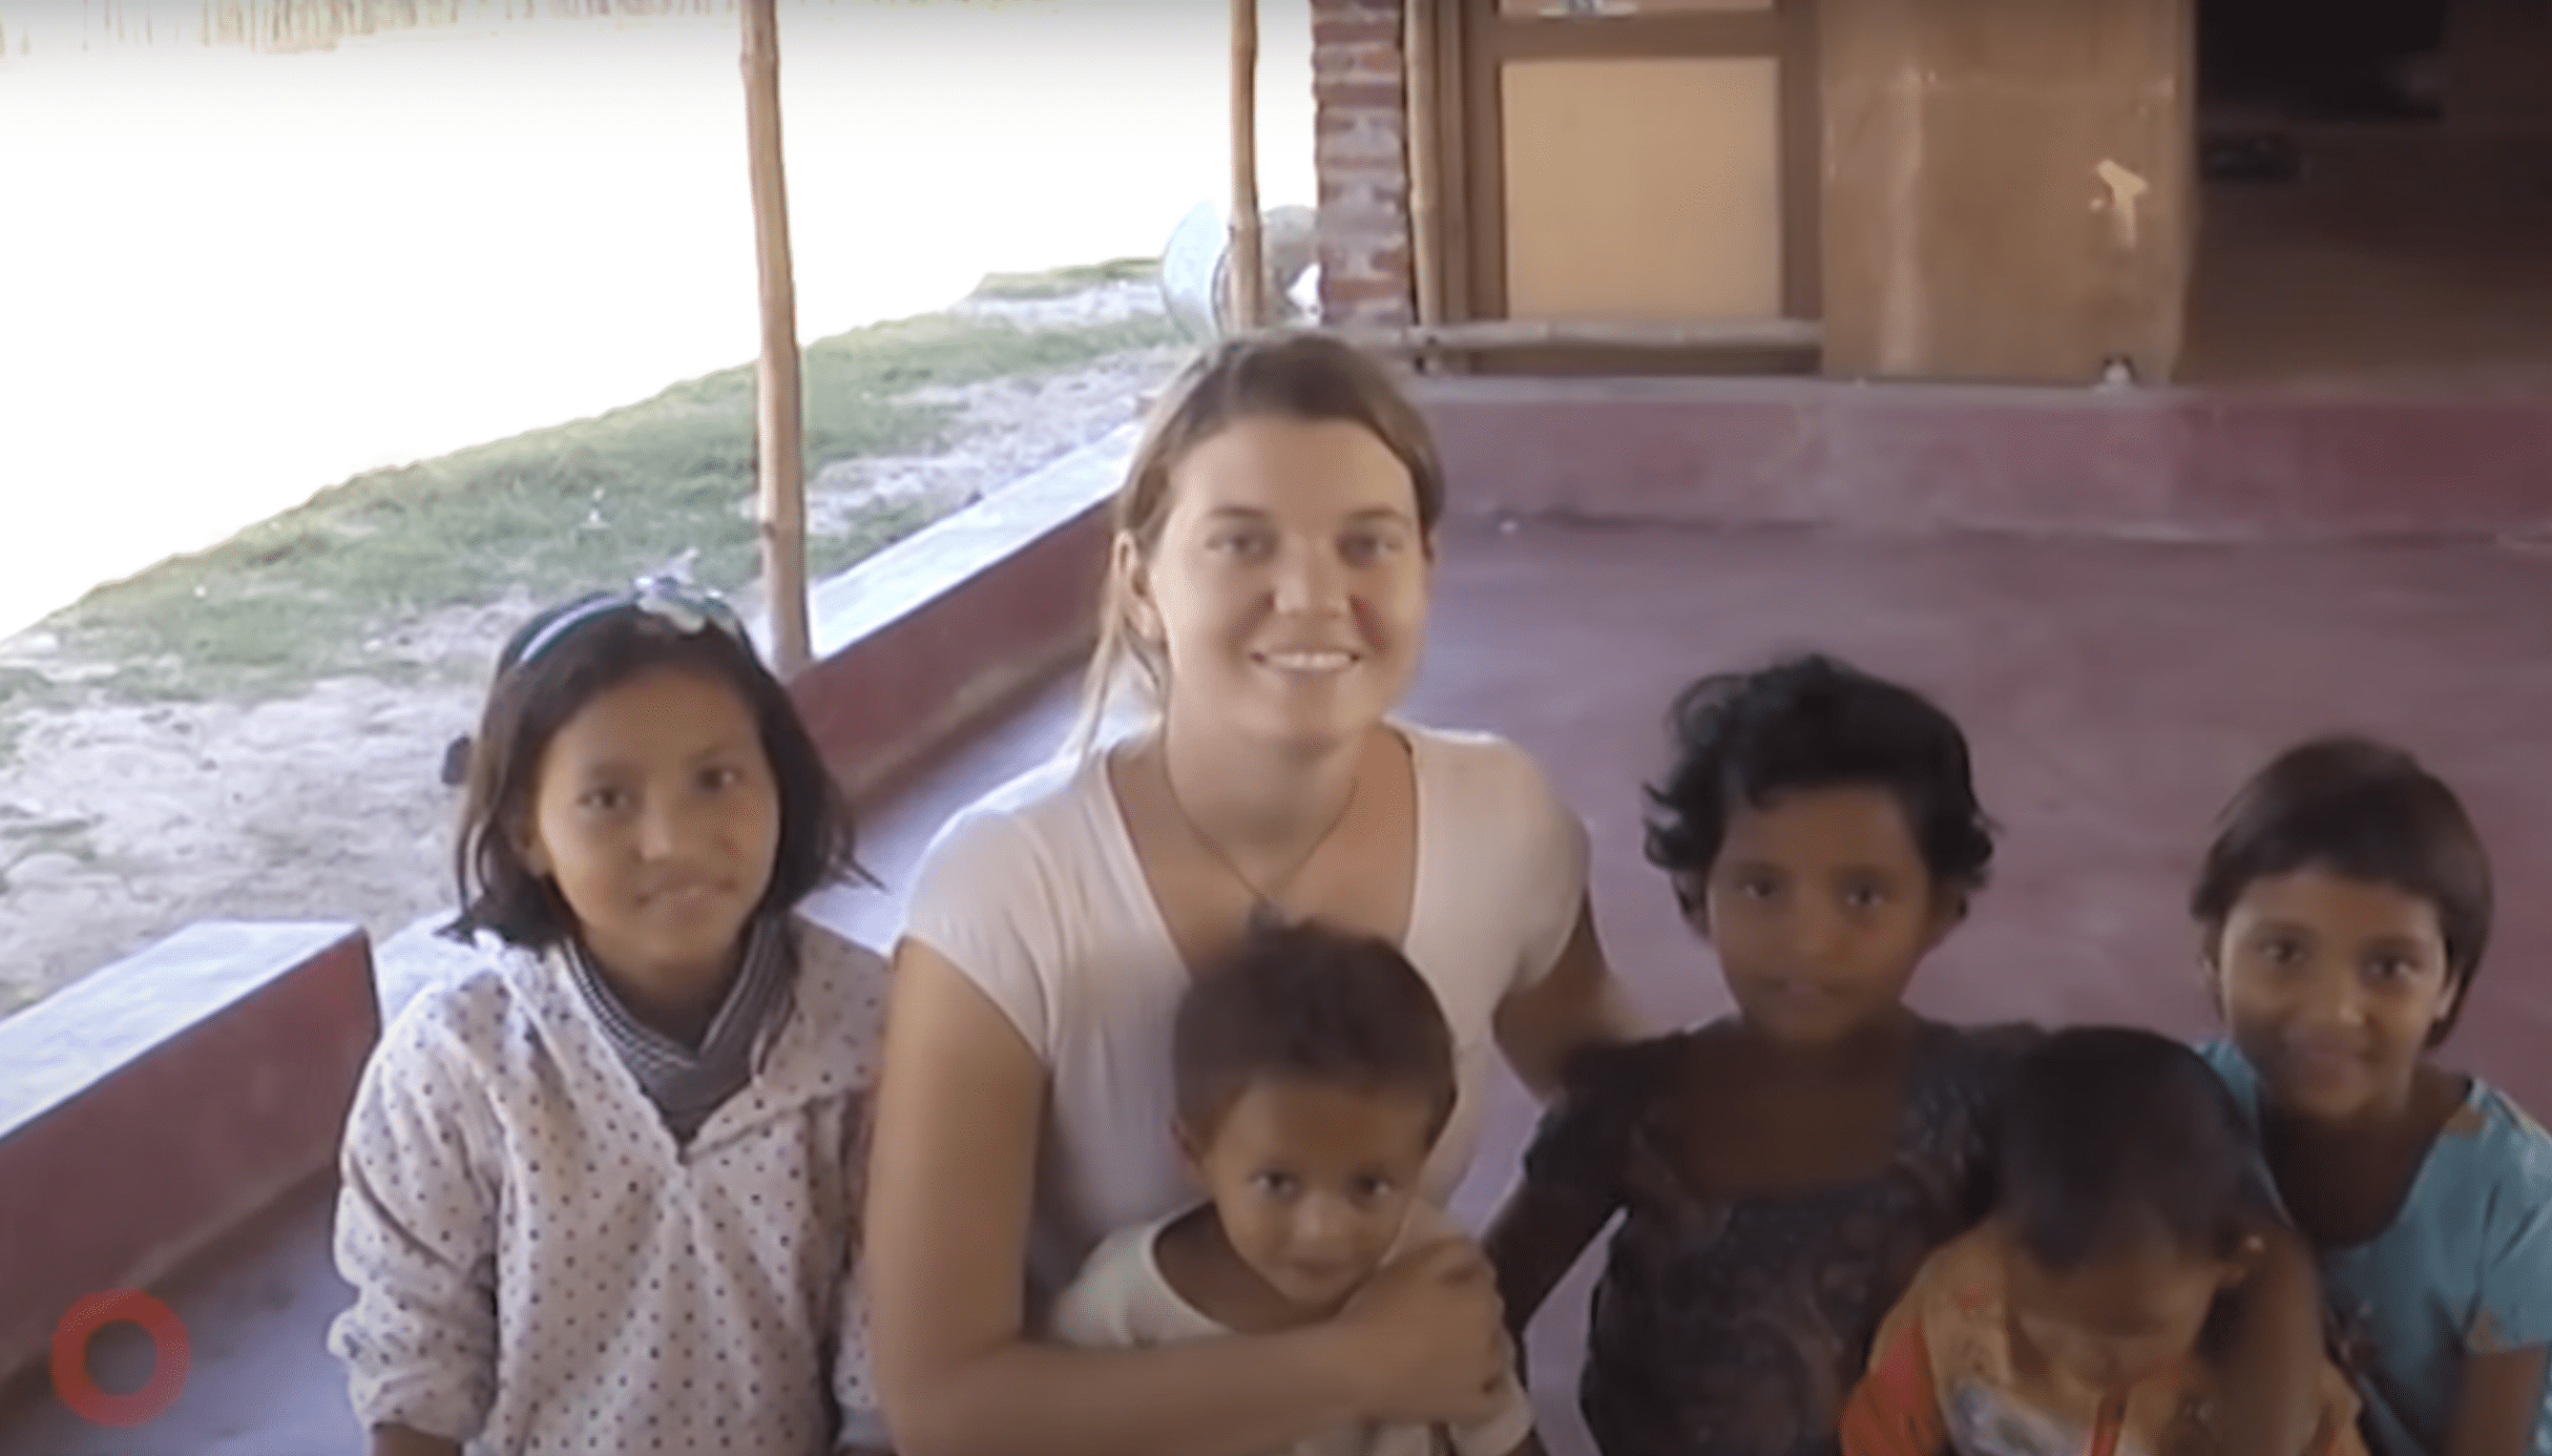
(1745, 739)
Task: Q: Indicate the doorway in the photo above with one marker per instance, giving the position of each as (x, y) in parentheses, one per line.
(2377, 195)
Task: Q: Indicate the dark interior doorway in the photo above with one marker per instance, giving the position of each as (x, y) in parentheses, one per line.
(2378, 203)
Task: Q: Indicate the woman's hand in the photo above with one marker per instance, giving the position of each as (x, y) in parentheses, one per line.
(1427, 1340)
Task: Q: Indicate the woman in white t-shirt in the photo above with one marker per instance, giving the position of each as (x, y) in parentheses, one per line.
(1269, 587)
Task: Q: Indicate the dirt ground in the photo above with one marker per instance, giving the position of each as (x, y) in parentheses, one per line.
(119, 823)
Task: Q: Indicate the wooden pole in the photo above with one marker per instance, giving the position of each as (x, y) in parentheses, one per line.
(1417, 60)
(779, 425)
(1248, 270)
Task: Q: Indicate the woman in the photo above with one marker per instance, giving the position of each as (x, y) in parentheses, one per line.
(1269, 588)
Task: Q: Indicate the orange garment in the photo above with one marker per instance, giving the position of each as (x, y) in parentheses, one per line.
(1942, 1380)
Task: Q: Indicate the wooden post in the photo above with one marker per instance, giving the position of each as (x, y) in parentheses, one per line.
(779, 429)
(1248, 270)
(1418, 63)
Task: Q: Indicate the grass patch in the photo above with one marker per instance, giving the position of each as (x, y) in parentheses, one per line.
(556, 511)
(1063, 283)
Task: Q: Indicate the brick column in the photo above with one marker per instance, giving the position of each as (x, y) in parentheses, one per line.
(1362, 118)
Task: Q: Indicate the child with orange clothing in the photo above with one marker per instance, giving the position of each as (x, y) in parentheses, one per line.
(2082, 1317)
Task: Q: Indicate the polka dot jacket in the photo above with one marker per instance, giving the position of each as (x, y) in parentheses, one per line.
(540, 1266)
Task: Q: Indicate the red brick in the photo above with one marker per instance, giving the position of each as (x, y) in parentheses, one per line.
(1381, 93)
(1334, 62)
(1348, 25)
(1365, 32)
(1388, 263)
(1365, 232)
(1366, 143)
(1352, 301)
(1334, 120)
(1357, 186)
(1383, 219)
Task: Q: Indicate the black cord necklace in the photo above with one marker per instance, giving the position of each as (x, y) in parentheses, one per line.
(1265, 912)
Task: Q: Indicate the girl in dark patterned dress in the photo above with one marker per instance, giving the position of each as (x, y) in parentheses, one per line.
(1782, 1172)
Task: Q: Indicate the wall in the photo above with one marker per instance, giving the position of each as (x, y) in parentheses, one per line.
(1361, 118)
(2153, 465)
(2008, 191)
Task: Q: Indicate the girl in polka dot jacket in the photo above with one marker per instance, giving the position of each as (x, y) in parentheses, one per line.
(600, 1194)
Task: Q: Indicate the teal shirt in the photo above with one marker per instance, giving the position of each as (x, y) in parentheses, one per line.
(2465, 1268)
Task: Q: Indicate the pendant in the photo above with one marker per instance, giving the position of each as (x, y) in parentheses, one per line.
(1265, 916)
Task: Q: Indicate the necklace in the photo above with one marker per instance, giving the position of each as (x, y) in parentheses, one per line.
(1265, 914)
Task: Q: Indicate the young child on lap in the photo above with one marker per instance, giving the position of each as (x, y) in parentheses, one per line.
(1314, 1073)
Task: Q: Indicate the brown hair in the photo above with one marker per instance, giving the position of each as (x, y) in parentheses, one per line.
(2366, 810)
(1280, 374)
(530, 701)
(1309, 1003)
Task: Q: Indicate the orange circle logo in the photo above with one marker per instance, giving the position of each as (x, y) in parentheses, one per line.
(169, 1356)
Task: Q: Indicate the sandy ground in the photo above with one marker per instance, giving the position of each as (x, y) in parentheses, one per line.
(120, 823)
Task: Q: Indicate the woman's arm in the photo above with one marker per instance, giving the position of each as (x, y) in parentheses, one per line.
(951, 1184)
(2498, 1404)
(1576, 1004)
(2272, 1395)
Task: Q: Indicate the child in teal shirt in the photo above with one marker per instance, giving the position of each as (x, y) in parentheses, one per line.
(2346, 900)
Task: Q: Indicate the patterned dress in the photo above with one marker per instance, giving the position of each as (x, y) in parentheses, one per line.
(1737, 1327)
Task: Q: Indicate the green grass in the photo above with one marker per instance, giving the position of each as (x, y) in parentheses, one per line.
(1063, 283)
(591, 503)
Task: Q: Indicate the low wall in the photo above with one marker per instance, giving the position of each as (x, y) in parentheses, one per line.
(928, 637)
(155, 1105)
(2170, 465)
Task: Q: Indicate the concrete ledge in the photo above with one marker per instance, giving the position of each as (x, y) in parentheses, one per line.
(152, 1107)
(921, 640)
(2170, 465)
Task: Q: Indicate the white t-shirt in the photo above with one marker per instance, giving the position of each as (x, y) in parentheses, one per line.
(1122, 1302)
(538, 1266)
(1035, 895)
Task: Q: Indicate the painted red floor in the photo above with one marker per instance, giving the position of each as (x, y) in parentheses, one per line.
(2115, 694)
